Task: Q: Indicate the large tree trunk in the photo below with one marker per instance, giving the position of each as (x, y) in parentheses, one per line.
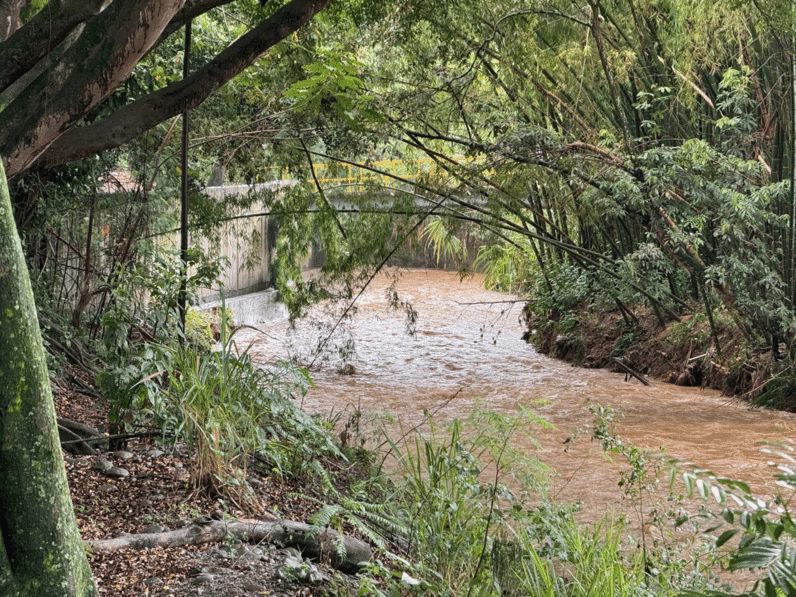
(41, 553)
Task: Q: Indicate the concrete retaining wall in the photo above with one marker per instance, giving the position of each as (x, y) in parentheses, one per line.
(253, 309)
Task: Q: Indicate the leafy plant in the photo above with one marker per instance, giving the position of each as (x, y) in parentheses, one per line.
(230, 411)
(334, 84)
(622, 344)
(766, 529)
(451, 512)
(447, 246)
(198, 332)
(585, 563)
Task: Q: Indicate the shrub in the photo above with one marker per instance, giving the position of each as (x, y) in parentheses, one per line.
(230, 411)
(197, 330)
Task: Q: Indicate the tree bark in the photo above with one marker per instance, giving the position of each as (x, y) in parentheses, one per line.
(41, 553)
(314, 544)
(132, 120)
(9, 17)
(39, 36)
(191, 11)
(103, 56)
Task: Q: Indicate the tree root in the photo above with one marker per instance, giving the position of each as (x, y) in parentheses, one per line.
(323, 544)
(80, 439)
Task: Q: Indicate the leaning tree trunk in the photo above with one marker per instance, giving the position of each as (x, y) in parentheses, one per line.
(41, 553)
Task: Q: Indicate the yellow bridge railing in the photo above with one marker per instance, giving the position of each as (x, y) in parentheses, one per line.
(385, 172)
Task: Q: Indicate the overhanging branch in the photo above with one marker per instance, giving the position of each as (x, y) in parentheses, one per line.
(138, 117)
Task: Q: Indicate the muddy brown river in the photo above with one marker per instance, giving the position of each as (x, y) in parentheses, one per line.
(467, 347)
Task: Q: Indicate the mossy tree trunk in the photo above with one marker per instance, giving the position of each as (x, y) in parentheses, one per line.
(41, 552)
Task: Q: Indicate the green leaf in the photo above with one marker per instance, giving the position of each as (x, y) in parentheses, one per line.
(726, 536)
(760, 553)
(688, 479)
(703, 488)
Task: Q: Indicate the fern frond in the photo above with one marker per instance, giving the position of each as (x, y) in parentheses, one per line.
(324, 516)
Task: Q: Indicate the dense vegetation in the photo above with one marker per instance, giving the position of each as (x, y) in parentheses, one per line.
(635, 156)
(618, 156)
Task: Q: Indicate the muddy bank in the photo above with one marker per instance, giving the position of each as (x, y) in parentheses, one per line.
(680, 352)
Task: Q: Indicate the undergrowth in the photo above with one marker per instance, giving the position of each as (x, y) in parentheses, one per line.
(460, 512)
(455, 527)
(232, 413)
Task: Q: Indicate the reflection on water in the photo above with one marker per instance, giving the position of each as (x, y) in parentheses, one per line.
(467, 347)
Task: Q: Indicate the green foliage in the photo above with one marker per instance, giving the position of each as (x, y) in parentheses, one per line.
(224, 406)
(766, 529)
(453, 514)
(666, 570)
(595, 562)
(370, 519)
(554, 302)
(447, 246)
(622, 344)
(695, 326)
(466, 533)
(779, 392)
(125, 363)
(197, 330)
(230, 410)
(334, 85)
(507, 267)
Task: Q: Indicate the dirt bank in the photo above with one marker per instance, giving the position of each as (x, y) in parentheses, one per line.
(682, 352)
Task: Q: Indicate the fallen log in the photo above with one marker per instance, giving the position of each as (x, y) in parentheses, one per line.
(312, 542)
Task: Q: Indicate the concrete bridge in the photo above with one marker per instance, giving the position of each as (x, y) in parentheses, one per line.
(248, 240)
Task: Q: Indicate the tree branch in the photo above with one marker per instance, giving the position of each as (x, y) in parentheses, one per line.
(138, 117)
(312, 541)
(104, 55)
(39, 36)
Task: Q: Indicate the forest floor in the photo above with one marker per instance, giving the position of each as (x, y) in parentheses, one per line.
(157, 496)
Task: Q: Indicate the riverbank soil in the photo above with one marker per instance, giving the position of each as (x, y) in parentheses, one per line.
(156, 496)
(682, 352)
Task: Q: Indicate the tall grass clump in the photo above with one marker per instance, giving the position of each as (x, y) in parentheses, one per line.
(233, 412)
(585, 561)
(452, 498)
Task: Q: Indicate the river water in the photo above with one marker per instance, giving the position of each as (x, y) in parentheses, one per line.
(467, 348)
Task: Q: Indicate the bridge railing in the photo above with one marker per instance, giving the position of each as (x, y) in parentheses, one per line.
(352, 177)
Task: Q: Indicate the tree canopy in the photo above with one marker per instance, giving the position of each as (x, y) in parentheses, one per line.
(72, 55)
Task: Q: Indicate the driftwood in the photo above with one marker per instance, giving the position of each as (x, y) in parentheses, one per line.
(314, 544)
(630, 371)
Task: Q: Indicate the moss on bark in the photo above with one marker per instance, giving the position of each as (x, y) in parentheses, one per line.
(41, 552)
